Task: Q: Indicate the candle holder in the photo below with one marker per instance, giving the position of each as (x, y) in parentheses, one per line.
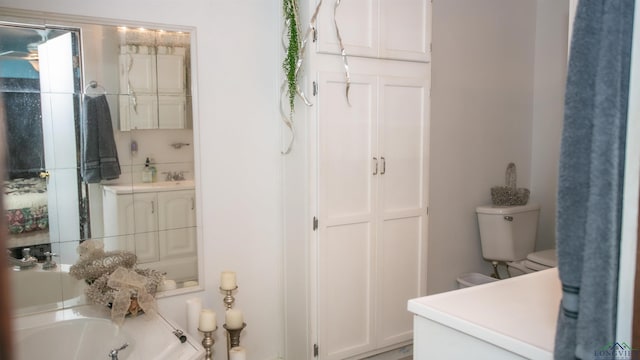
(229, 299)
(233, 336)
(207, 343)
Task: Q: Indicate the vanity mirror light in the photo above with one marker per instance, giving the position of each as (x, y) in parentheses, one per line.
(77, 93)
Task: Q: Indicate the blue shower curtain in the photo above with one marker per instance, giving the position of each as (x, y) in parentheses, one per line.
(591, 175)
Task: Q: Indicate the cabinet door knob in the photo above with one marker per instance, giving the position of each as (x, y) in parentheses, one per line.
(384, 166)
(375, 172)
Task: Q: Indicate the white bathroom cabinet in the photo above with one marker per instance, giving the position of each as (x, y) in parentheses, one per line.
(158, 226)
(152, 88)
(356, 194)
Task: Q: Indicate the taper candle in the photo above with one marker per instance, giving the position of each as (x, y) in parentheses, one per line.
(228, 280)
(234, 319)
(207, 320)
(238, 353)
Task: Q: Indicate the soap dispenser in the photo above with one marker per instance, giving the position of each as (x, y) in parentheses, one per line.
(147, 175)
(154, 171)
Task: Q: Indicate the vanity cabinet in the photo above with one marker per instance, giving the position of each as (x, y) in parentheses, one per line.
(158, 226)
(152, 87)
(388, 29)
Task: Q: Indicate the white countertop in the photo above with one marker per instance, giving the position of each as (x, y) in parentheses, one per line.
(151, 187)
(517, 314)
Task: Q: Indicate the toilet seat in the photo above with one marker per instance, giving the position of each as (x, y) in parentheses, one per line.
(536, 261)
(541, 260)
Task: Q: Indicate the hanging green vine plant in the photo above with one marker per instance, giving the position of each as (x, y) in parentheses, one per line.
(290, 63)
(294, 44)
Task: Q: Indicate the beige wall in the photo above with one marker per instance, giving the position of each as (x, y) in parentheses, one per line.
(497, 70)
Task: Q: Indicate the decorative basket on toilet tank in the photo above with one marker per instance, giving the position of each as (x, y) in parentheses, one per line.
(509, 194)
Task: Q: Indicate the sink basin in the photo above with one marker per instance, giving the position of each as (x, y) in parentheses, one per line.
(151, 187)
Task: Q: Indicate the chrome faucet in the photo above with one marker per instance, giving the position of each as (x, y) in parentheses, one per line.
(113, 354)
(174, 175)
(26, 262)
(48, 263)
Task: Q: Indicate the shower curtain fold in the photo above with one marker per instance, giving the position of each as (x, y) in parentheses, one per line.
(591, 176)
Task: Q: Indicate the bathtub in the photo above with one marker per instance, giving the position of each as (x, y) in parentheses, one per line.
(86, 332)
(36, 290)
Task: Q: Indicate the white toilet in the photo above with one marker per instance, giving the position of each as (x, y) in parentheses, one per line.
(508, 236)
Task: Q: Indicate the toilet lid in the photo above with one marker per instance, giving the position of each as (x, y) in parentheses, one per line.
(544, 257)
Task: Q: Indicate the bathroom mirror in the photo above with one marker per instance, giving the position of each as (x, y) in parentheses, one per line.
(100, 142)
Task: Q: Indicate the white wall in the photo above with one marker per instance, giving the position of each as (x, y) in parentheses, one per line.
(238, 52)
(481, 119)
(552, 24)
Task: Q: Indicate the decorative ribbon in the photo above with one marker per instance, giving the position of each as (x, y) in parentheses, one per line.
(343, 52)
(129, 284)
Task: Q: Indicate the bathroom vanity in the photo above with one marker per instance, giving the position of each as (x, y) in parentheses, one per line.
(508, 319)
(157, 222)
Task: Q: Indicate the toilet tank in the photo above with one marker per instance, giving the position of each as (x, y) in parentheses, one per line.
(507, 233)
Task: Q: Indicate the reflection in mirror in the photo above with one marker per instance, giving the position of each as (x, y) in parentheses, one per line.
(99, 146)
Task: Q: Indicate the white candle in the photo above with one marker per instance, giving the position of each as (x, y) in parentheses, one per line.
(237, 353)
(233, 319)
(194, 306)
(228, 280)
(207, 320)
(168, 285)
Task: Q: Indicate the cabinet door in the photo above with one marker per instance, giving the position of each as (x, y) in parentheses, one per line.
(401, 231)
(389, 29)
(177, 235)
(145, 219)
(177, 222)
(171, 71)
(405, 29)
(172, 111)
(346, 205)
(136, 224)
(138, 71)
(138, 112)
(358, 26)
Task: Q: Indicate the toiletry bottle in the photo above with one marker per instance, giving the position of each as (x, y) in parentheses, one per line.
(154, 171)
(146, 173)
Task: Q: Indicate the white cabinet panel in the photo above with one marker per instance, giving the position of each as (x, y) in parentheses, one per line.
(357, 23)
(401, 254)
(403, 123)
(145, 225)
(171, 72)
(159, 227)
(172, 112)
(176, 209)
(153, 88)
(346, 290)
(138, 112)
(388, 29)
(405, 29)
(348, 135)
(138, 71)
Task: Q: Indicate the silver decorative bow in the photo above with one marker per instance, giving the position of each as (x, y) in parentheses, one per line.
(130, 286)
